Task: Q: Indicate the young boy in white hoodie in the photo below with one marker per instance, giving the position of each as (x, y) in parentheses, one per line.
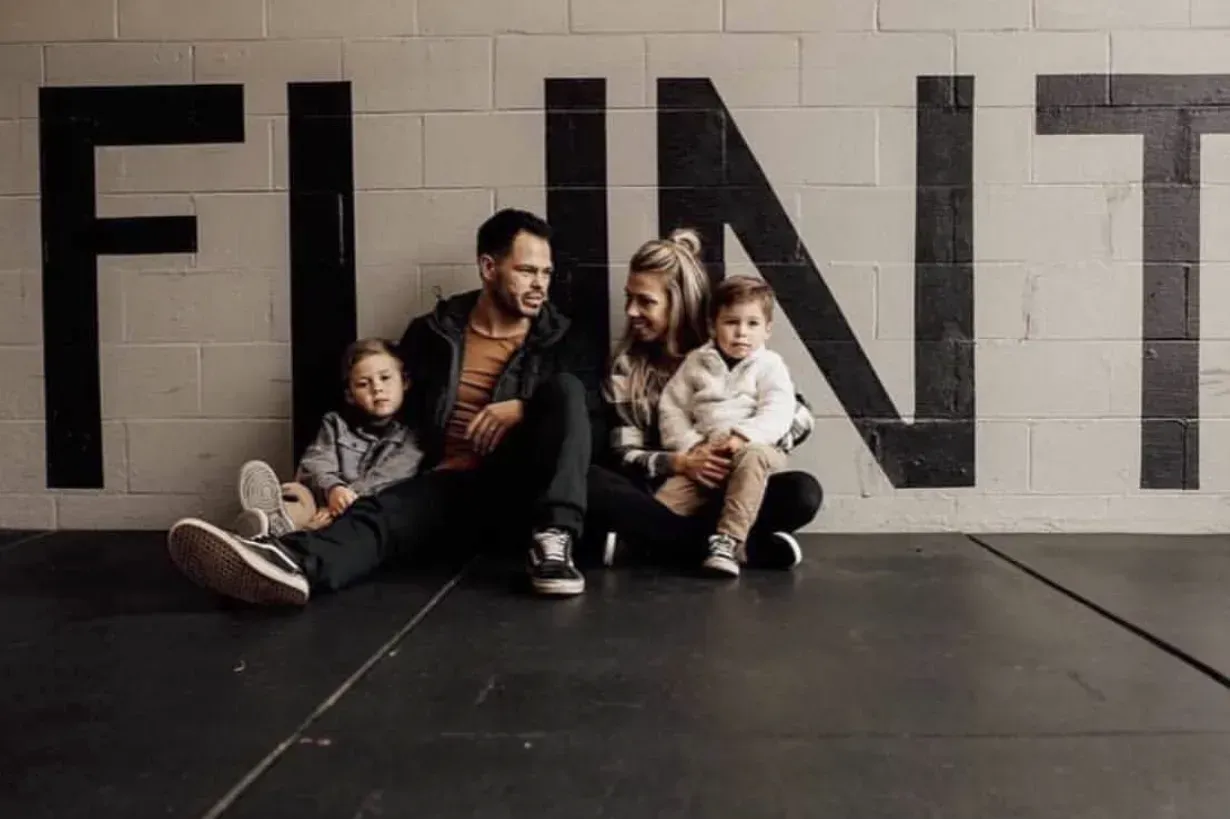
(735, 397)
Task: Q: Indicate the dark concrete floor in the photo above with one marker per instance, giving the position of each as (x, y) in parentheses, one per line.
(889, 677)
(1175, 589)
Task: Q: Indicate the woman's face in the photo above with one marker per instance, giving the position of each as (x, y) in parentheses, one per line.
(647, 306)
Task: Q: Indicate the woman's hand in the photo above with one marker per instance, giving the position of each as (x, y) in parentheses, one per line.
(703, 465)
(340, 498)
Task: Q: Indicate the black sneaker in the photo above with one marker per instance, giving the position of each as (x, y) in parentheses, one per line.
(778, 550)
(723, 557)
(550, 564)
(254, 570)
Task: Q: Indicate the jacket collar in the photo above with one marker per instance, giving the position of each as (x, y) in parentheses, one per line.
(360, 425)
(451, 316)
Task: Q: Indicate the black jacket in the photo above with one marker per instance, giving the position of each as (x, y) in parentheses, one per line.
(432, 348)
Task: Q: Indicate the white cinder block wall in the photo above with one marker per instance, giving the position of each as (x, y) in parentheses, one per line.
(448, 125)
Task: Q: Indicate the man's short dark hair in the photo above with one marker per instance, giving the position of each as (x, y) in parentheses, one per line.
(497, 234)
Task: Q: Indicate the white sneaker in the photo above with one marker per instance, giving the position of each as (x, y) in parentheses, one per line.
(259, 488)
(254, 570)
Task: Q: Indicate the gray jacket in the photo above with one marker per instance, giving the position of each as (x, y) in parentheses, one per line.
(366, 460)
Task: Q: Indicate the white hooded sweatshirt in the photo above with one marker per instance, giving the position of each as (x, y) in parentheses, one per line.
(706, 399)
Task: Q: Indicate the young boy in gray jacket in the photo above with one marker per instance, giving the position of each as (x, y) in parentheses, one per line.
(357, 452)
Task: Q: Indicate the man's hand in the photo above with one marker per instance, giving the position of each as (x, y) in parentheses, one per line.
(321, 519)
(487, 429)
(704, 465)
(340, 498)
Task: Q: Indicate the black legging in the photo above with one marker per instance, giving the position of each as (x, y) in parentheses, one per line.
(618, 503)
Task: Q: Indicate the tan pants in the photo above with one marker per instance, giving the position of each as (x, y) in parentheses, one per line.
(301, 507)
(744, 490)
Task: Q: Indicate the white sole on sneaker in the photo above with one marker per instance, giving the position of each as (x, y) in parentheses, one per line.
(792, 545)
(555, 586)
(722, 566)
(259, 488)
(214, 559)
(558, 587)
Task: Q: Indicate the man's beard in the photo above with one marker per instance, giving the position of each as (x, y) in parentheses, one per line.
(511, 306)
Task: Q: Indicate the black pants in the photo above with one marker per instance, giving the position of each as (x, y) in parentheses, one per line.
(534, 480)
(627, 507)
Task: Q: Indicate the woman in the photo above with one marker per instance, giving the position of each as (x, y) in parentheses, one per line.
(667, 294)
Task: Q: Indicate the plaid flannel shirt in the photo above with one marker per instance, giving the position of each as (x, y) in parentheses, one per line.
(635, 441)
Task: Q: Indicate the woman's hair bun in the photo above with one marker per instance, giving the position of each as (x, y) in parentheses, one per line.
(688, 239)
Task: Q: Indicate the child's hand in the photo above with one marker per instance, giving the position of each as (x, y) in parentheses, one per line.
(340, 498)
(733, 444)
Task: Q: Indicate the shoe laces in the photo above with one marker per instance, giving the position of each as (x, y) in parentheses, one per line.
(554, 544)
(722, 546)
(268, 543)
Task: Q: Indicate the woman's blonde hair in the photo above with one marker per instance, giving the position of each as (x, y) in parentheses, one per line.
(676, 260)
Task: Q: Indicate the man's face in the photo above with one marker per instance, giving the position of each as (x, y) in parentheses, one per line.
(518, 282)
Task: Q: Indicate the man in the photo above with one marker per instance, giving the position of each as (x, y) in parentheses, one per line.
(503, 426)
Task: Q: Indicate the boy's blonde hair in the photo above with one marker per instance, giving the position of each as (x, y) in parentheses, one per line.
(366, 348)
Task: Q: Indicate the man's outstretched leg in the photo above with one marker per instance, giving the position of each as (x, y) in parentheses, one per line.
(540, 471)
(286, 570)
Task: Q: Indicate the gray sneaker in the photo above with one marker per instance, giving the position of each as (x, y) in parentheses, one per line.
(251, 523)
(254, 570)
(260, 489)
(723, 557)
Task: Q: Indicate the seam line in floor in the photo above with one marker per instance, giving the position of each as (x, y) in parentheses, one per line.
(1148, 636)
(4, 547)
(250, 778)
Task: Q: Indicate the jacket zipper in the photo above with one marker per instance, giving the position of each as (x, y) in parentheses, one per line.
(444, 407)
(517, 357)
